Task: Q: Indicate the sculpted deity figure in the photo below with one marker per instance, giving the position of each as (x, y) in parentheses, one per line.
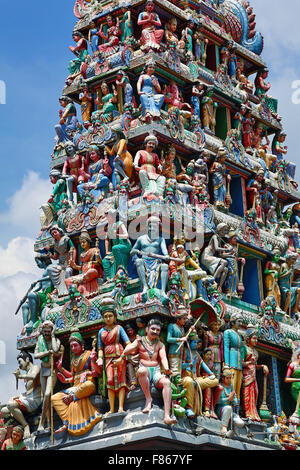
(213, 340)
(261, 86)
(106, 103)
(111, 37)
(112, 339)
(254, 189)
(172, 40)
(152, 264)
(198, 90)
(290, 289)
(271, 272)
(68, 120)
(149, 91)
(175, 336)
(48, 351)
(153, 355)
(90, 267)
(220, 180)
(197, 378)
(209, 109)
(149, 21)
(63, 251)
(232, 283)
(98, 181)
(117, 246)
(38, 294)
(94, 37)
(55, 204)
(226, 404)
(86, 100)
(29, 401)
(249, 391)
(148, 166)
(233, 347)
(211, 258)
(73, 404)
(293, 377)
(73, 169)
(81, 52)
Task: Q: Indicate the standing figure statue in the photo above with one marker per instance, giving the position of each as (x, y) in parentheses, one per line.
(233, 349)
(198, 91)
(149, 91)
(152, 356)
(73, 170)
(123, 160)
(86, 101)
(94, 37)
(213, 340)
(73, 404)
(220, 180)
(151, 34)
(271, 272)
(293, 377)
(249, 389)
(148, 166)
(48, 351)
(175, 337)
(152, 264)
(51, 209)
(289, 288)
(209, 110)
(233, 284)
(110, 350)
(98, 182)
(27, 402)
(117, 246)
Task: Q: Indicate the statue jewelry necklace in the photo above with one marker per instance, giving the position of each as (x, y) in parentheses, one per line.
(149, 345)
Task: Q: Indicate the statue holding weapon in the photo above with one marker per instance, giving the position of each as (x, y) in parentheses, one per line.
(37, 295)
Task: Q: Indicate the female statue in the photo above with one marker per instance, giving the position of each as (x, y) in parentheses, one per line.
(213, 340)
(94, 37)
(68, 119)
(91, 267)
(107, 102)
(249, 389)
(110, 349)
(81, 52)
(290, 290)
(112, 36)
(293, 377)
(271, 277)
(149, 91)
(210, 259)
(73, 405)
(219, 178)
(149, 21)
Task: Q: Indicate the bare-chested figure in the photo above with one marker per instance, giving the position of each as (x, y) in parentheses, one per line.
(152, 354)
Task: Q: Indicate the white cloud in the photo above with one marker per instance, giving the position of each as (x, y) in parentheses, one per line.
(23, 207)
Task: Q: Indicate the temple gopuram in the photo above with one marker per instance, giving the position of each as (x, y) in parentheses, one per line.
(166, 315)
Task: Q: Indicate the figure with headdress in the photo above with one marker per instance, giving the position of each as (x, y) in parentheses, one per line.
(289, 287)
(86, 101)
(117, 246)
(73, 170)
(232, 284)
(106, 102)
(211, 258)
(90, 267)
(80, 50)
(293, 377)
(208, 111)
(47, 349)
(249, 390)
(153, 257)
(68, 120)
(271, 272)
(225, 407)
(73, 404)
(220, 180)
(63, 251)
(148, 166)
(151, 33)
(111, 36)
(213, 340)
(112, 339)
(149, 91)
(31, 399)
(233, 347)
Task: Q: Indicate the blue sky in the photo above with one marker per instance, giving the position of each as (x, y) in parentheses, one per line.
(34, 54)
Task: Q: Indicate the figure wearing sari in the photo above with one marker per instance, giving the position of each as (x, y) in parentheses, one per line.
(80, 416)
(249, 390)
(90, 272)
(150, 37)
(294, 372)
(109, 340)
(151, 102)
